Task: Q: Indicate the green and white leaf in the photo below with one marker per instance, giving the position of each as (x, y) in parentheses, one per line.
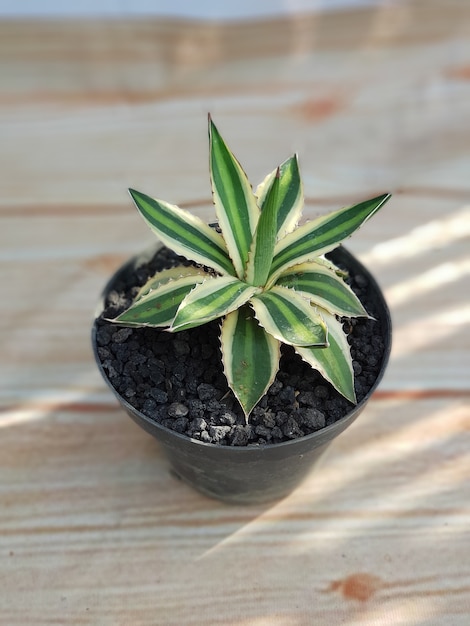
(165, 276)
(327, 263)
(289, 317)
(234, 201)
(334, 362)
(250, 357)
(322, 235)
(323, 287)
(290, 195)
(210, 300)
(264, 240)
(184, 233)
(158, 307)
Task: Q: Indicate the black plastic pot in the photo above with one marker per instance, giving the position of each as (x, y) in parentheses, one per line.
(250, 474)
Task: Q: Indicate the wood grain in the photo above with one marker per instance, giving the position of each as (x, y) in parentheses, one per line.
(93, 527)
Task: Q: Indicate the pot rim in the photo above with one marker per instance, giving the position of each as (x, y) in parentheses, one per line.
(324, 432)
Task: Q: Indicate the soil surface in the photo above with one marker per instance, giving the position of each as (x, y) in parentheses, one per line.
(177, 379)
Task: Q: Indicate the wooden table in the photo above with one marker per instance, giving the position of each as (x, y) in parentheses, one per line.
(93, 529)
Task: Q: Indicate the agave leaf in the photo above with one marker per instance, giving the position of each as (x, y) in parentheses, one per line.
(234, 201)
(264, 240)
(184, 233)
(289, 317)
(158, 307)
(210, 300)
(322, 235)
(323, 287)
(334, 362)
(290, 196)
(165, 276)
(250, 357)
(327, 263)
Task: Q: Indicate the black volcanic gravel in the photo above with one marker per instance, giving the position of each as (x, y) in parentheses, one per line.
(177, 379)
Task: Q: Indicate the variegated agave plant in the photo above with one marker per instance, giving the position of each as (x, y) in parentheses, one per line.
(263, 276)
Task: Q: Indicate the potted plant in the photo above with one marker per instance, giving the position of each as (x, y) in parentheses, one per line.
(247, 345)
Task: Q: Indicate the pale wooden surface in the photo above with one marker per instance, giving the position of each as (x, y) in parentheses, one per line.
(93, 529)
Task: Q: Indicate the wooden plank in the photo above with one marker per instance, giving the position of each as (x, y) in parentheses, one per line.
(93, 529)
(90, 108)
(421, 262)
